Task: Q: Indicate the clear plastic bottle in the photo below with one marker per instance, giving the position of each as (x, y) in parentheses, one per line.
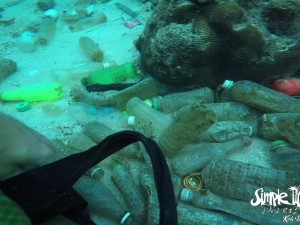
(285, 156)
(147, 88)
(97, 131)
(285, 126)
(131, 192)
(26, 42)
(91, 49)
(45, 4)
(81, 142)
(234, 111)
(173, 102)
(7, 67)
(147, 182)
(237, 208)
(188, 123)
(196, 156)
(223, 131)
(46, 31)
(240, 180)
(261, 97)
(88, 22)
(151, 120)
(102, 200)
(72, 75)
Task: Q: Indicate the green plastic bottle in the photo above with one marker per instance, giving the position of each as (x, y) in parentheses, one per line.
(112, 75)
(34, 93)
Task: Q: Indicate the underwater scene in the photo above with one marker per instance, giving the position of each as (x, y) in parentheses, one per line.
(157, 112)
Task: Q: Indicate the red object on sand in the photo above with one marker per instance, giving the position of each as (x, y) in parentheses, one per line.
(287, 86)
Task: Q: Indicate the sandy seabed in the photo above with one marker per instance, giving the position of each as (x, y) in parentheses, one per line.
(116, 41)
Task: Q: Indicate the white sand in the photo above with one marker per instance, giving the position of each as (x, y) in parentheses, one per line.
(63, 51)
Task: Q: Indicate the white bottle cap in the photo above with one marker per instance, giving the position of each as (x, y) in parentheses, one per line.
(131, 120)
(186, 195)
(227, 84)
(51, 13)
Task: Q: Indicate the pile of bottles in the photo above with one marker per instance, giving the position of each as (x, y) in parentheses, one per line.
(200, 137)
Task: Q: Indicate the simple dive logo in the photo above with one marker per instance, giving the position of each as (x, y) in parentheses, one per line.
(276, 198)
(272, 200)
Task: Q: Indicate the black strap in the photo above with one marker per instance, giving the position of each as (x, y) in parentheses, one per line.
(47, 191)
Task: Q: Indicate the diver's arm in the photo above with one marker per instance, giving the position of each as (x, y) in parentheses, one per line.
(21, 148)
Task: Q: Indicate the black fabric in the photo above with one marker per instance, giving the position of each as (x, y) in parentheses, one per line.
(47, 191)
(107, 87)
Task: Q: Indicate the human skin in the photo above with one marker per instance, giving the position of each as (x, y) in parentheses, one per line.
(22, 148)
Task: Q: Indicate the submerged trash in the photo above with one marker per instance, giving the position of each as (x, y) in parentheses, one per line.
(287, 86)
(7, 67)
(112, 75)
(34, 93)
(260, 97)
(91, 49)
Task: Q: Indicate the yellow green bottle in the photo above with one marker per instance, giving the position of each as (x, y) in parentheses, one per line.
(112, 75)
(34, 93)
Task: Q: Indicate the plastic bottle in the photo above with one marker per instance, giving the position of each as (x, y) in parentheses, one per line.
(131, 192)
(46, 31)
(144, 89)
(234, 111)
(194, 157)
(222, 131)
(188, 123)
(45, 4)
(287, 86)
(88, 22)
(112, 75)
(34, 93)
(173, 102)
(102, 200)
(240, 180)
(97, 131)
(26, 42)
(260, 97)
(68, 76)
(51, 13)
(147, 182)
(285, 156)
(80, 142)
(7, 67)
(91, 49)
(234, 207)
(150, 120)
(285, 126)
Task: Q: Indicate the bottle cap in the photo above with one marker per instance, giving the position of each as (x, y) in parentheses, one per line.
(131, 120)
(156, 102)
(96, 173)
(149, 102)
(186, 195)
(193, 181)
(51, 13)
(227, 84)
(278, 143)
(22, 107)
